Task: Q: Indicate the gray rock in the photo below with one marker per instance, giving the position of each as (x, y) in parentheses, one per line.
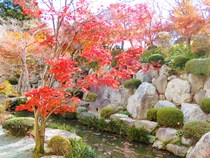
(150, 126)
(166, 134)
(164, 70)
(117, 117)
(192, 112)
(49, 133)
(161, 83)
(201, 149)
(84, 115)
(196, 83)
(177, 150)
(158, 144)
(184, 76)
(171, 77)
(208, 118)
(186, 141)
(198, 97)
(143, 76)
(207, 93)
(161, 97)
(81, 109)
(128, 121)
(164, 103)
(144, 98)
(178, 91)
(207, 84)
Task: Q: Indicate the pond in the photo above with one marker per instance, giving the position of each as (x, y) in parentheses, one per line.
(109, 145)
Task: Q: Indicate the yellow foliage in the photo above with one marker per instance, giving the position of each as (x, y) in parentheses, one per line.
(7, 89)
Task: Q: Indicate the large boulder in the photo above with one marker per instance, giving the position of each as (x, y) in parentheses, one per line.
(192, 112)
(144, 76)
(201, 149)
(196, 83)
(198, 97)
(178, 91)
(164, 103)
(128, 121)
(166, 134)
(207, 84)
(150, 126)
(144, 98)
(161, 83)
(117, 117)
(177, 150)
(119, 97)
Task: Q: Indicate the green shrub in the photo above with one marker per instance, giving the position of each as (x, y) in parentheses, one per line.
(205, 105)
(180, 61)
(198, 66)
(102, 125)
(180, 49)
(196, 129)
(132, 83)
(156, 58)
(152, 114)
(125, 113)
(13, 81)
(14, 103)
(107, 111)
(170, 117)
(88, 119)
(150, 51)
(138, 134)
(19, 126)
(70, 115)
(2, 108)
(81, 150)
(60, 145)
(117, 127)
(91, 97)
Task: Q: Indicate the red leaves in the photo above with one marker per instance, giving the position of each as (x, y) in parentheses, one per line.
(46, 100)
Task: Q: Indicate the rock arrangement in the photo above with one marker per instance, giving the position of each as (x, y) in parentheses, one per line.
(159, 89)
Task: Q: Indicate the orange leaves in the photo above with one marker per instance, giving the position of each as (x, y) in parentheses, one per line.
(46, 100)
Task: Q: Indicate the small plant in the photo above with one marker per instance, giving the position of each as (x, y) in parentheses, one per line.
(19, 126)
(102, 124)
(60, 145)
(152, 114)
(81, 150)
(138, 134)
(89, 120)
(180, 133)
(196, 129)
(117, 127)
(2, 108)
(107, 111)
(198, 66)
(180, 61)
(13, 104)
(170, 117)
(156, 58)
(132, 83)
(125, 113)
(205, 105)
(91, 97)
(13, 81)
(70, 115)
(7, 89)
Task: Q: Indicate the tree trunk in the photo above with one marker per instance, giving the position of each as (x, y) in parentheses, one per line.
(39, 134)
(188, 39)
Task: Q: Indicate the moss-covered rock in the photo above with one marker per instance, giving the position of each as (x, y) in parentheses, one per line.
(152, 114)
(107, 111)
(198, 66)
(60, 145)
(170, 117)
(91, 97)
(180, 61)
(19, 126)
(196, 129)
(132, 83)
(205, 105)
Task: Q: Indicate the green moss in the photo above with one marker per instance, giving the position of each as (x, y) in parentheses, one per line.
(139, 135)
(60, 145)
(156, 58)
(170, 117)
(205, 105)
(196, 129)
(107, 111)
(91, 97)
(180, 61)
(132, 83)
(198, 66)
(152, 114)
(19, 126)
